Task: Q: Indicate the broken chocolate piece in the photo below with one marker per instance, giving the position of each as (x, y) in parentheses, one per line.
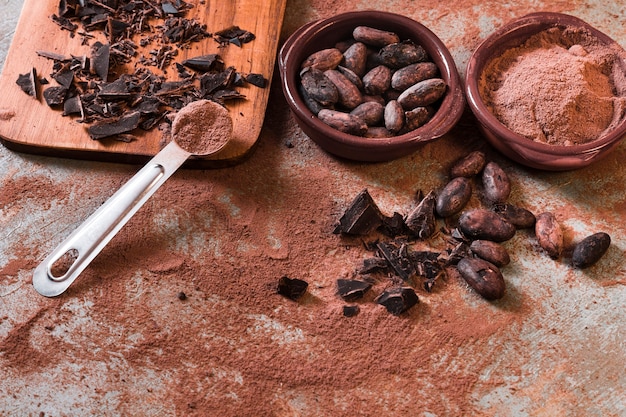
(397, 300)
(361, 217)
(397, 255)
(99, 63)
(205, 63)
(373, 264)
(292, 288)
(234, 35)
(421, 220)
(352, 289)
(257, 80)
(55, 96)
(394, 226)
(28, 82)
(111, 127)
(351, 311)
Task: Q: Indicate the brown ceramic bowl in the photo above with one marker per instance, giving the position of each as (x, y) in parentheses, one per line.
(326, 33)
(517, 147)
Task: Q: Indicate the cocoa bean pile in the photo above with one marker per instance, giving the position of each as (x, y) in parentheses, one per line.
(475, 237)
(373, 85)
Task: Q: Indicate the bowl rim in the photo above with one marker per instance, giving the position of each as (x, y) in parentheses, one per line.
(538, 21)
(439, 125)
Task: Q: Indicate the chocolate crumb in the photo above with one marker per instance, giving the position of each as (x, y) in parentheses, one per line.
(351, 310)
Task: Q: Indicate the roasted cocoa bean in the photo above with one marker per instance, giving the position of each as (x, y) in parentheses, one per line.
(324, 60)
(378, 132)
(518, 216)
(401, 54)
(374, 37)
(484, 277)
(589, 250)
(454, 196)
(413, 74)
(312, 104)
(319, 87)
(421, 220)
(370, 112)
(496, 184)
(349, 94)
(468, 166)
(485, 225)
(343, 122)
(377, 80)
(422, 94)
(549, 234)
(355, 58)
(491, 252)
(416, 118)
(351, 76)
(394, 116)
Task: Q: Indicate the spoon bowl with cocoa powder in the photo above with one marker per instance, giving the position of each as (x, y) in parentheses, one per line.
(201, 128)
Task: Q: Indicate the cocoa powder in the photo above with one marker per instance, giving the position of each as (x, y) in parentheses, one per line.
(560, 87)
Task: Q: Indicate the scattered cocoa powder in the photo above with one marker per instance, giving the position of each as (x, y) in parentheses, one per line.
(559, 87)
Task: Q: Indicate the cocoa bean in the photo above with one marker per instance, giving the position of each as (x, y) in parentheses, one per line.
(374, 37)
(412, 74)
(377, 80)
(421, 220)
(416, 118)
(394, 116)
(349, 94)
(351, 75)
(491, 252)
(454, 196)
(589, 250)
(343, 122)
(496, 184)
(324, 60)
(422, 94)
(519, 217)
(468, 166)
(370, 112)
(378, 132)
(312, 104)
(401, 54)
(485, 225)
(319, 87)
(355, 58)
(484, 277)
(549, 234)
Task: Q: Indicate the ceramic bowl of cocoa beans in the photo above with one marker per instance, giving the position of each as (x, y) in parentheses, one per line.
(549, 91)
(370, 86)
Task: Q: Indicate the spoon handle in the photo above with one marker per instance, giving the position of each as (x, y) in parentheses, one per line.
(86, 242)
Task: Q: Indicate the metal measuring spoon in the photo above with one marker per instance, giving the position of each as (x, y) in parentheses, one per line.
(201, 128)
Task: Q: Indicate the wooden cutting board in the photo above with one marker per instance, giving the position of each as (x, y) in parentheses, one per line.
(31, 126)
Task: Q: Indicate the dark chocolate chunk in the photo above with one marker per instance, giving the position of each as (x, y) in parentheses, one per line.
(361, 217)
(373, 264)
(234, 35)
(111, 127)
(28, 82)
(421, 220)
(394, 226)
(182, 296)
(55, 96)
(292, 288)
(205, 63)
(352, 289)
(99, 63)
(397, 255)
(397, 300)
(351, 311)
(257, 80)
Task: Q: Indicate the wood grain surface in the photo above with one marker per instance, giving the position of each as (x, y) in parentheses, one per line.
(30, 125)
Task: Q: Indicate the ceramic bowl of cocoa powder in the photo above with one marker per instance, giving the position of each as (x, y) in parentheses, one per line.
(549, 91)
(330, 33)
